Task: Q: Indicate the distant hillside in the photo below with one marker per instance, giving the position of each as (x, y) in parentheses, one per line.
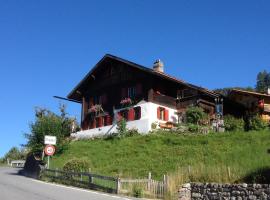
(163, 153)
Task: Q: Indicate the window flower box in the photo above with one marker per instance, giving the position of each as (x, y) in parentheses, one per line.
(126, 102)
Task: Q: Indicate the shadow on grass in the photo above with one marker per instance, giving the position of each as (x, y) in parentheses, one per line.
(261, 175)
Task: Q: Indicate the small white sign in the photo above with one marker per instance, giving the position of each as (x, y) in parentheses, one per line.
(50, 140)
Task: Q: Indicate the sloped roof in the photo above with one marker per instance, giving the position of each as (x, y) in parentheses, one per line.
(142, 68)
(250, 93)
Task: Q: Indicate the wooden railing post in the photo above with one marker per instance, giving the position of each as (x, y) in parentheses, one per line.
(149, 181)
(165, 182)
(118, 185)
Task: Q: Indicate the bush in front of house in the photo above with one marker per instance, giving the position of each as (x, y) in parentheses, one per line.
(195, 115)
(232, 123)
(76, 165)
(256, 123)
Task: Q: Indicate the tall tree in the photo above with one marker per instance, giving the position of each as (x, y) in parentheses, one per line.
(49, 123)
(263, 81)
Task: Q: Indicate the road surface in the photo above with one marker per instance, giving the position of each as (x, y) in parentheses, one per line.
(16, 187)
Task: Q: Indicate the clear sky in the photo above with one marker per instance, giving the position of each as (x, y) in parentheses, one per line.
(46, 47)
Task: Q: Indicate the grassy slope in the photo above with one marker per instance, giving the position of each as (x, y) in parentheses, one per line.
(164, 153)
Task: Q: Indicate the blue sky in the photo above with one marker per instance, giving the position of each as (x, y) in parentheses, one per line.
(46, 47)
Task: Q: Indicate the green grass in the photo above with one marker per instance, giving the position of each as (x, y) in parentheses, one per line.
(166, 153)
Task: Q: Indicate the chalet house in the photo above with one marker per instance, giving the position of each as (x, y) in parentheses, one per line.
(116, 88)
(252, 102)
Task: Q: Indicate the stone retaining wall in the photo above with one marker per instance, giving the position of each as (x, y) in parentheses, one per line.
(197, 191)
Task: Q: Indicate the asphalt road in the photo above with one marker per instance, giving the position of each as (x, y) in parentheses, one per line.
(16, 187)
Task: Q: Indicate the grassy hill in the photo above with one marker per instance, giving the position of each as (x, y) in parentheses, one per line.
(224, 157)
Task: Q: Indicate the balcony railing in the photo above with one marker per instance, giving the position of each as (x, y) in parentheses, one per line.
(266, 107)
(164, 100)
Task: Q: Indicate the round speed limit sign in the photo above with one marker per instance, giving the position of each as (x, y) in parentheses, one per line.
(49, 150)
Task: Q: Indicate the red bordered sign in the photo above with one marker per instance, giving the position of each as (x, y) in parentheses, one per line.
(49, 150)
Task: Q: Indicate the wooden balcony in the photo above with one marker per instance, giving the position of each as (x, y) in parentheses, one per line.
(164, 100)
(267, 108)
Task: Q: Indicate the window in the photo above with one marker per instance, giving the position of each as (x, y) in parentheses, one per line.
(162, 114)
(131, 92)
(137, 113)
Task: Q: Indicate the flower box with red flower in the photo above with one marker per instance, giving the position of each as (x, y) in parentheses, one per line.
(126, 102)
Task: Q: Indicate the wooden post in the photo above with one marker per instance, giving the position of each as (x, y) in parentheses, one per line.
(149, 181)
(81, 175)
(118, 186)
(165, 182)
(229, 172)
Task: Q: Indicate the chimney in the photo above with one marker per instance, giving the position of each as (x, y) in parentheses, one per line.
(158, 66)
(268, 91)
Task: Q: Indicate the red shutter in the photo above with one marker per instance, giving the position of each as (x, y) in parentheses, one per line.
(158, 112)
(166, 115)
(138, 89)
(108, 120)
(99, 122)
(93, 123)
(131, 114)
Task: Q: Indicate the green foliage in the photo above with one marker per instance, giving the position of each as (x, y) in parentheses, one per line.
(195, 115)
(193, 128)
(226, 91)
(15, 154)
(77, 165)
(49, 123)
(263, 81)
(256, 123)
(121, 128)
(162, 153)
(137, 191)
(233, 124)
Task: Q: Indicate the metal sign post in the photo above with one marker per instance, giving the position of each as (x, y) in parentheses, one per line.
(49, 151)
(48, 162)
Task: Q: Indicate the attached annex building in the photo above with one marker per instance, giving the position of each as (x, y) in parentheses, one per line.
(116, 88)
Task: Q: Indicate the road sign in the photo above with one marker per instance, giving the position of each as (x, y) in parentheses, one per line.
(49, 150)
(50, 140)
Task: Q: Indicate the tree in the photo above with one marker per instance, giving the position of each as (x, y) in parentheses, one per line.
(263, 81)
(49, 123)
(195, 115)
(15, 154)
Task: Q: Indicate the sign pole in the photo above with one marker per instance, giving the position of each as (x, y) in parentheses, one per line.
(48, 162)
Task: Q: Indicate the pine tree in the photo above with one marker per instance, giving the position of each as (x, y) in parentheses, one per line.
(263, 81)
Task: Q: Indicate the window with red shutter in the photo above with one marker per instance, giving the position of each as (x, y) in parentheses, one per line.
(158, 112)
(166, 115)
(131, 114)
(108, 120)
(93, 124)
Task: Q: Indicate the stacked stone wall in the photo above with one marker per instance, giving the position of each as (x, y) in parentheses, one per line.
(198, 191)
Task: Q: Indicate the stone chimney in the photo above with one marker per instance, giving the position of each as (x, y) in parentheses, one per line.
(158, 66)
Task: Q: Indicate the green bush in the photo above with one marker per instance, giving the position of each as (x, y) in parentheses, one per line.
(256, 123)
(233, 124)
(121, 127)
(195, 115)
(137, 191)
(76, 165)
(193, 128)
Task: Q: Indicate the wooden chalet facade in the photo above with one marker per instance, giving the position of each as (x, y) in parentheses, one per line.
(116, 88)
(252, 102)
